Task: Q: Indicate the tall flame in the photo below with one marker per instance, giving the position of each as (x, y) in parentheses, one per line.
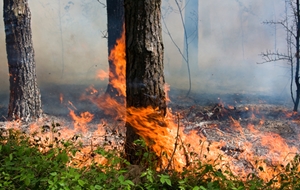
(118, 57)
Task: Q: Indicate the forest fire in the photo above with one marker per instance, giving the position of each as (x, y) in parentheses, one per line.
(165, 136)
(224, 137)
(225, 133)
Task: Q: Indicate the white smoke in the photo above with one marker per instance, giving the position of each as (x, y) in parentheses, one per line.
(70, 48)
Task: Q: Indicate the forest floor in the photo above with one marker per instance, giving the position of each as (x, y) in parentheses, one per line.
(236, 119)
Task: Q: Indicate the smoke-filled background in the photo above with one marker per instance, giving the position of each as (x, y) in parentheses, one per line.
(70, 45)
(231, 37)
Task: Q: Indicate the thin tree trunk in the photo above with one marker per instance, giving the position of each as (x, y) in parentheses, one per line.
(144, 69)
(297, 82)
(25, 99)
(115, 22)
(191, 37)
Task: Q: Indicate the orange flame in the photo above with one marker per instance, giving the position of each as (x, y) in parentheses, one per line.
(102, 75)
(278, 148)
(117, 79)
(81, 121)
(118, 57)
(167, 89)
(61, 98)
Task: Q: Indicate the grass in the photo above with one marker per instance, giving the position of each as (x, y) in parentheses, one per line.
(25, 166)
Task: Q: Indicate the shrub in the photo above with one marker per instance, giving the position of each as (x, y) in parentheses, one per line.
(24, 166)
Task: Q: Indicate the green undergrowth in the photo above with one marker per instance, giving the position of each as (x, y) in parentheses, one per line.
(24, 166)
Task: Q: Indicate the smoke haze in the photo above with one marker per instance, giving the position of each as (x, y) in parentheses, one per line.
(68, 37)
(231, 37)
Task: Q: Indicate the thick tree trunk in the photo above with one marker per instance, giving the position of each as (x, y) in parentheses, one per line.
(25, 99)
(115, 22)
(144, 69)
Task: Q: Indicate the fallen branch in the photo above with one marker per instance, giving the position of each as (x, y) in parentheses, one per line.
(175, 146)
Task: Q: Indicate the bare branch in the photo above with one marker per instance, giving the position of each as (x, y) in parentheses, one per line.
(173, 41)
(104, 34)
(185, 58)
(274, 56)
(282, 23)
(176, 143)
(103, 4)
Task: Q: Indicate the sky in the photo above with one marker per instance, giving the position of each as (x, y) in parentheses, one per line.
(70, 45)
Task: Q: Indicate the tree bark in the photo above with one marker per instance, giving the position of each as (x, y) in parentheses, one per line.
(25, 98)
(115, 22)
(144, 68)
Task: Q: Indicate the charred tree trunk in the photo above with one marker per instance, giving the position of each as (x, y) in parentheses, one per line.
(297, 82)
(144, 69)
(115, 22)
(25, 99)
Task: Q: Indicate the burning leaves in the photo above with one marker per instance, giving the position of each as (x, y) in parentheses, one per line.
(81, 121)
(248, 150)
(247, 145)
(85, 139)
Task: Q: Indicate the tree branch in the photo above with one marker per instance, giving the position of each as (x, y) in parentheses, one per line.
(283, 25)
(274, 56)
(103, 4)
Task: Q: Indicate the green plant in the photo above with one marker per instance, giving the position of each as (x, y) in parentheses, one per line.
(24, 166)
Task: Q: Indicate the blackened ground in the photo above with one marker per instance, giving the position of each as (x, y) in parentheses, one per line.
(71, 99)
(3, 106)
(51, 103)
(72, 94)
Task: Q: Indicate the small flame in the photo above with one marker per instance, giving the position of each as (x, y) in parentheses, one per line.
(72, 105)
(102, 75)
(91, 90)
(231, 107)
(167, 89)
(236, 125)
(61, 98)
(81, 121)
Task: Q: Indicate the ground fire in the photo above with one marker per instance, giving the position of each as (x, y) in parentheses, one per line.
(243, 138)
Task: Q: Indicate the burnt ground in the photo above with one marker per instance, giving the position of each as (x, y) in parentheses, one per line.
(220, 117)
(52, 104)
(72, 95)
(211, 115)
